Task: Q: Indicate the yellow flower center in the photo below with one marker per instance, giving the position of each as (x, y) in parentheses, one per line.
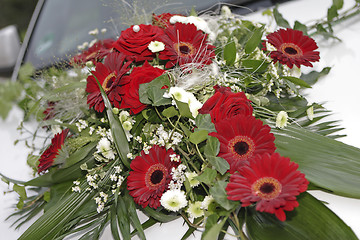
(266, 188)
(109, 80)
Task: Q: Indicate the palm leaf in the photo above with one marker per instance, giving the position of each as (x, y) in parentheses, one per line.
(327, 163)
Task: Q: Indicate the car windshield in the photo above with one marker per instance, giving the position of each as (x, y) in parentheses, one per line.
(63, 25)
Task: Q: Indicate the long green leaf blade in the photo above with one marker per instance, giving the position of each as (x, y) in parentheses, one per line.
(326, 162)
(117, 131)
(311, 220)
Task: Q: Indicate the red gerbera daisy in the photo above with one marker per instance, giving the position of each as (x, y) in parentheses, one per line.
(47, 158)
(150, 176)
(241, 138)
(293, 47)
(272, 181)
(95, 53)
(184, 43)
(162, 20)
(109, 75)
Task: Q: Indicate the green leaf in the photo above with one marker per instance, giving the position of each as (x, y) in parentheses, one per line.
(327, 163)
(211, 151)
(170, 112)
(184, 109)
(301, 27)
(254, 41)
(312, 77)
(230, 52)
(203, 122)
(26, 71)
(219, 193)
(20, 190)
(134, 219)
(117, 131)
(338, 4)
(159, 216)
(332, 13)
(52, 221)
(208, 176)
(113, 223)
(280, 20)
(80, 154)
(198, 137)
(252, 65)
(152, 92)
(311, 220)
(123, 218)
(212, 227)
(297, 81)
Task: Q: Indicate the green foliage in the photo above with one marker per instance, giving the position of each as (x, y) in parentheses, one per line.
(280, 20)
(220, 196)
(9, 94)
(152, 92)
(230, 52)
(211, 151)
(305, 222)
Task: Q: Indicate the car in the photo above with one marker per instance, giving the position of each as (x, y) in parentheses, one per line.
(57, 28)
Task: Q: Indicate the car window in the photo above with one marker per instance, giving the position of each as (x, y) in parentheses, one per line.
(63, 25)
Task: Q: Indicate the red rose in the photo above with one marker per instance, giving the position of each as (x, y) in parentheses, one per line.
(134, 41)
(139, 75)
(225, 104)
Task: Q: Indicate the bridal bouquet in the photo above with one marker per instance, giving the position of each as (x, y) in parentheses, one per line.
(199, 118)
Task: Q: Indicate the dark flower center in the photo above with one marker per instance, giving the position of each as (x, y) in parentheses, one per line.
(108, 82)
(184, 49)
(241, 148)
(266, 188)
(156, 176)
(290, 50)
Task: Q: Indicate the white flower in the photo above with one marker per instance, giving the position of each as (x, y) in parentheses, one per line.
(281, 119)
(118, 169)
(182, 95)
(206, 202)
(76, 189)
(295, 71)
(123, 116)
(310, 113)
(200, 23)
(173, 200)
(194, 105)
(77, 183)
(103, 30)
(191, 178)
(94, 32)
(225, 11)
(179, 94)
(104, 147)
(92, 42)
(100, 207)
(113, 177)
(156, 46)
(194, 210)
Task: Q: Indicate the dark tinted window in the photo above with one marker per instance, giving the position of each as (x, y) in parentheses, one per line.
(63, 25)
